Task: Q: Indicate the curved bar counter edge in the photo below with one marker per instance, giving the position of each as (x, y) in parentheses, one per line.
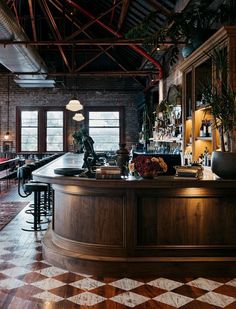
(162, 226)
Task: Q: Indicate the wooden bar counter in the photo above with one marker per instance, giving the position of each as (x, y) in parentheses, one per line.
(162, 226)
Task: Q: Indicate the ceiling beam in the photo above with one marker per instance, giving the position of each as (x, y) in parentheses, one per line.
(123, 13)
(138, 49)
(92, 21)
(92, 59)
(61, 9)
(130, 73)
(83, 42)
(55, 30)
(32, 20)
(113, 12)
(16, 13)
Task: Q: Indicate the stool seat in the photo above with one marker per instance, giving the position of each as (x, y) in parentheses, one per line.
(35, 187)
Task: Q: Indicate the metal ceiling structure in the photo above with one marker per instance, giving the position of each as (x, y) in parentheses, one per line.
(87, 37)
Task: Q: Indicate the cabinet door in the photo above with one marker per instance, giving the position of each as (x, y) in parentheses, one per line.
(203, 80)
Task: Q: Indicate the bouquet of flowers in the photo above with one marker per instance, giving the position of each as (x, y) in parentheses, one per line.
(147, 166)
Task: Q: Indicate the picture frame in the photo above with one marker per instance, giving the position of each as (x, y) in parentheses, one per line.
(7, 146)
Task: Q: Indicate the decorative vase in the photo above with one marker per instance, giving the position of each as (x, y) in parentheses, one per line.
(122, 158)
(223, 164)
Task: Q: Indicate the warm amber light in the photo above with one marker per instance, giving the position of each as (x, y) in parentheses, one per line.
(74, 105)
(6, 136)
(78, 117)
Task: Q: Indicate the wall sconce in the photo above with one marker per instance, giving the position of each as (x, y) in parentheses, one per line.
(7, 134)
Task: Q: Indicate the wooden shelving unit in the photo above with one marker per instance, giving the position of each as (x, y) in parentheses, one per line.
(198, 71)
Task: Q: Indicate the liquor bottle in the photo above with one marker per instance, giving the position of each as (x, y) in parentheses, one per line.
(202, 129)
(209, 128)
(205, 133)
(206, 152)
(190, 139)
(209, 159)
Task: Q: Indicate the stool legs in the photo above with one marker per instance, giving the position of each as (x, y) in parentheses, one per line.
(36, 212)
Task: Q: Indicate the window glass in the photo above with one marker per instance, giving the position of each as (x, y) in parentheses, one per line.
(104, 128)
(29, 130)
(54, 140)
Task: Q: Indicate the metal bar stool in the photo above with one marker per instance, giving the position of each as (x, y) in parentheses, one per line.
(25, 188)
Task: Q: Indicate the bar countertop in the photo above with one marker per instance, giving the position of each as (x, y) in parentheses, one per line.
(71, 160)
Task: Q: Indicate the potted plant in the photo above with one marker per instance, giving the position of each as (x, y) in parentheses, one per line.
(190, 27)
(222, 99)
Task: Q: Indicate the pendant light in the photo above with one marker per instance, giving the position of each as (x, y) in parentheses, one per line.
(7, 134)
(74, 105)
(78, 117)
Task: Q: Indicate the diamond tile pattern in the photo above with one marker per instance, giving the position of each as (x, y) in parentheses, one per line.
(126, 284)
(28, 281)
(173, 299)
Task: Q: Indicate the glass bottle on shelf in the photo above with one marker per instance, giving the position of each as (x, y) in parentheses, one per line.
(205, 133)
(206, 152)
(190, 139)
(209, 128)
(202, 129)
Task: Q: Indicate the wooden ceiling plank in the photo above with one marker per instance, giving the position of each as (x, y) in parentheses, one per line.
(123, 14)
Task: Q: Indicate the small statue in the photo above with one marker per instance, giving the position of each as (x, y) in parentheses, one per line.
(89, 152)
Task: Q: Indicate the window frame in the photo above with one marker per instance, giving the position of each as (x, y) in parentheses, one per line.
(119, 109)
(42, 127)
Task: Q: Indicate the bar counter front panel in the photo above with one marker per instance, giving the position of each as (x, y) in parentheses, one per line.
(162, 226)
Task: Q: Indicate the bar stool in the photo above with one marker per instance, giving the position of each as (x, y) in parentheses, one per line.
(47, 197)
(37, 188)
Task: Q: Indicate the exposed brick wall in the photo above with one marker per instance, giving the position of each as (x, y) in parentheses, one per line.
(60, 97)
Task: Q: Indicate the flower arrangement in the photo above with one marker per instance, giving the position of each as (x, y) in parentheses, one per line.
(147, 166)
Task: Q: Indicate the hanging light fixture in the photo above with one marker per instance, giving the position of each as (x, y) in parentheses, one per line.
(7, 134)
(78, 117)
(74, 105)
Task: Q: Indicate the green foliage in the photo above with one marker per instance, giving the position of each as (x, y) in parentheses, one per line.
(183, 26)
(77, 135)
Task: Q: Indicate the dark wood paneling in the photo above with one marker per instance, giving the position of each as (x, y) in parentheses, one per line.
(90, 219)
(186, 221)
(161, 226)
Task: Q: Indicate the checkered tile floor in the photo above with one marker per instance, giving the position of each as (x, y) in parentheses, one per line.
(27, 281)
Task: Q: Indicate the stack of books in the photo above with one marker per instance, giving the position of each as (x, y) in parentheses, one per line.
(195, 172)
(108, 172)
